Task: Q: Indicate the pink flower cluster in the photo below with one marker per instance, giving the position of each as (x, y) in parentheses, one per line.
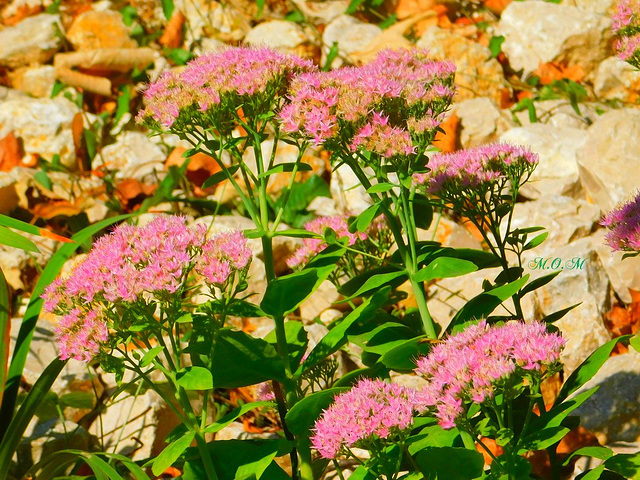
(372, 408)
(469, 366)
(624, 226)
(125, 265)
(380, 137)
(451, 172)
(626, 27)
(222, 255)
(402, 81)
(201, 87)
(312, 246)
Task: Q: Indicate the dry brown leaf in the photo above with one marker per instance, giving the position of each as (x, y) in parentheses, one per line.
(201, 167)
(552, 71)
(448, 141)
(174, 31)
(55, 208)
(407, 8)
(11, 152)
(130, 193)
(496, 6)
(493, 446)
(22, 12)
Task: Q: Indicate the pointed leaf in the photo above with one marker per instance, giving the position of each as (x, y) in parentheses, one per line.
(445, 267)
(170, 454)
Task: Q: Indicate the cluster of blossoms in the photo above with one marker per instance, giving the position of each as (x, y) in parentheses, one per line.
(626, 27)
(451, 173)
(624, 226)
(211, 88)
(469, 366)
(129, 264)
(372, 409)
(382, 106)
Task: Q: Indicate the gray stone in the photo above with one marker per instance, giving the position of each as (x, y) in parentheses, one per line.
(623, 274)
(477, 74)
(582, 280)
(348, 192)
(42, 439)
(43, 124)
(538, 32)
(607, 158)
(37, 81)
(481, 121)
(566, 219)
(134, 155)
(615, 79)
(557, 147)
(278, 34)
(320, 11)
(613, 412)
(352, 36)
(34, 40)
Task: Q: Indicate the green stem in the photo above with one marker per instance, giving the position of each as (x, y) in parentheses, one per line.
(206, 457)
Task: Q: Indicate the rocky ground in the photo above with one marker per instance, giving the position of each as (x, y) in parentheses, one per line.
(530, 72)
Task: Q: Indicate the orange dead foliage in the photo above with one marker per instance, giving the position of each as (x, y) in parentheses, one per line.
(131, 193)
(552, 71)
(496, 6)
(200, 168)
(22, 12)
(174, 31)
(448, 141)
(490, 444)
(11, 152)
(624, 321)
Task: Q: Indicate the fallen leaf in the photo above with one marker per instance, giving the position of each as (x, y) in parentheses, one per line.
(55, 208)
(448, 141)
(11, 152)
(49, 234)
(22, 12)
(173, 32)
(493, 447)
(407, 8)
(131, 193)
(496, 6)
(201, 167)
(552, 71)
(171, 472)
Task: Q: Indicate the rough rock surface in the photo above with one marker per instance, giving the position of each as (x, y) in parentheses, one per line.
(34, 40)
(134, 155)
(557, 147)
(37, 81)
(615, 79)
(612, 146)
(44, 125)
(99, 29)
(613, 412)
(351, 34)
(279, 34)
(538, 32)
(477, 74)
(481, 121)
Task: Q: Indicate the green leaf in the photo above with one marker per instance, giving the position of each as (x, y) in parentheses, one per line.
(535, 241)
(555, 316)
(167, 8)
(333, 53)
(297, 340)
(195, 378)
(383, 338)
(588, 368)
(538, 282)
(123, 103)
(19, 225)
(635, 342)
(5, 330)
(422, 211)
(240, 359)
(84, 400)
(233, 415)
(337, 336)
(430, 436)
(151, 355)
(381, 187)
(169, 455)
(15, 240)
(363, 220)
(362, 473)
(374, 283)
(353, 6)
(495, 45)
(402, 358)
(626, 464)
(450, 463)
(303, 414)
(353, 285)
(603, 453)
(17, 424)
(445, 267)
(287, 167)
(218, 177)
(485, 303)
(285, 294)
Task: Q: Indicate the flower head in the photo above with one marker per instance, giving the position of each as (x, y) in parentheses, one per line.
(469, 366)
(626, 28)
(222, 255)
(467, 169)
(371, 409)
(79, 334)
(380, 137)
(624, 226)
(214, 86)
